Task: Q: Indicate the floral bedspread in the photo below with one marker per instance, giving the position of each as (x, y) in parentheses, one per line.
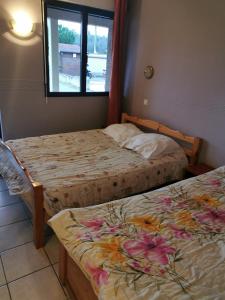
(84, 168)
(165, 244)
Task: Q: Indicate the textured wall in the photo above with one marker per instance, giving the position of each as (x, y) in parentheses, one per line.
(185, 42)
(23, 107)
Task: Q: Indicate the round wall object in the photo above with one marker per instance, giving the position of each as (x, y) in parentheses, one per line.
(148, 72)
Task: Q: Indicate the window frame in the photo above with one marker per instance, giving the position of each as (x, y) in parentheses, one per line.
(84, 11)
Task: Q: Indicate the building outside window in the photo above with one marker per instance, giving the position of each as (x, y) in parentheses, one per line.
(78, 49)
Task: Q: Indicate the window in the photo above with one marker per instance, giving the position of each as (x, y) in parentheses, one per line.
(78, 50)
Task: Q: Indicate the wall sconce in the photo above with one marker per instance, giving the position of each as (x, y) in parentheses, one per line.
(22, 25)
(19, 28)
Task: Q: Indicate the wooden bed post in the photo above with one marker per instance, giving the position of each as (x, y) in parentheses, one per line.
(123, 118)
(195, 150)
(71, 276)
(38, 215)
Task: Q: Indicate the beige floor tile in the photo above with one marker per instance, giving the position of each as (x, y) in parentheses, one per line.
(4, 293)
(27, 211)
(2, 276)
(41, 285)
(23, 260)
(3, 186)
(56, 268)
(52, 248)
(15, 234)
(6, 199)
(11, 214)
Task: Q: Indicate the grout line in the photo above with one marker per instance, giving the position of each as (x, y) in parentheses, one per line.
(31, 241)
(10, 204)
(9, 196)
(29, 274)
(52, 265)
(49, 257)
(19, 221)
(28, 220)
(16, 247)
(10, 296)
(62, 287)
(44, 250)
(1, 261)
(5, 277)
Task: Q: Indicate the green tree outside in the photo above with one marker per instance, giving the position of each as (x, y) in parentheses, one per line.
(68, 36)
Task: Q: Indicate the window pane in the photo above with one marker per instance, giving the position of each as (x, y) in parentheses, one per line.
(64, 44)
(99, 54)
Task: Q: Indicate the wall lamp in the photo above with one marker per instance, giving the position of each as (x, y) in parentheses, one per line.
(21, 24)
(19, 28)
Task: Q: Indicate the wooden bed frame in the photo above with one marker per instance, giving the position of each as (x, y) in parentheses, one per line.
(71, 276)
(193, 143)
(39, 214)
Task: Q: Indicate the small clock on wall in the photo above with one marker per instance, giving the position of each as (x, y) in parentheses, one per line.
(148, 72)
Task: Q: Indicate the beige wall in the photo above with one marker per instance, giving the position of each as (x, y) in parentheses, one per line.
(185, 42)
(24, 109)
(103, 4)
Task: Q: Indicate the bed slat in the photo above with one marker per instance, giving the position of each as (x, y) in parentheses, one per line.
(193, 143)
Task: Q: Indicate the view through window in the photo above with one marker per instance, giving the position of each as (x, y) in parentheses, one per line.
(69, 49)
(99, 54)
(79, 53)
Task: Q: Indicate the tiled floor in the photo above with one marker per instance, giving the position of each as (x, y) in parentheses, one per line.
(25, 272)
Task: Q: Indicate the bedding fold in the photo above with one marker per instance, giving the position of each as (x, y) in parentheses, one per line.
(164, 244)
(12, 173)
(88, 167)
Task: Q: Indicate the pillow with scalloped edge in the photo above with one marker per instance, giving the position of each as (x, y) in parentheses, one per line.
(122, 132)
(152, 145)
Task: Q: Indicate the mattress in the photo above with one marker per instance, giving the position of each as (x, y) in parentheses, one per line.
(165, 244)
(88, 167)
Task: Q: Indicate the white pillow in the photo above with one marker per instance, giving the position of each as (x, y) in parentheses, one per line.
(152, 145)
(121, 132)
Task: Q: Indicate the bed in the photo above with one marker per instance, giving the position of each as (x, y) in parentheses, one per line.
(84, 168)
(164, 244)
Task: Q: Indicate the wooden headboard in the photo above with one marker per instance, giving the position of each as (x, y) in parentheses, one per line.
(192, 144)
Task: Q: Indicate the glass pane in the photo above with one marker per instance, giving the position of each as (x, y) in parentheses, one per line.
(64, 42)
(99, 54)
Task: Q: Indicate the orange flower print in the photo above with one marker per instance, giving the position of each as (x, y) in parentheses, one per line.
(148, 222)
(206, 200)
(111, 249)
(185, 219)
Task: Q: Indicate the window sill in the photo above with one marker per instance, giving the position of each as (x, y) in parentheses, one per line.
(71, 94)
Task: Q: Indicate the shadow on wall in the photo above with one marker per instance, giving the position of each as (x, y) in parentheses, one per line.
(1, 126)
(134, 8)
(4, 18)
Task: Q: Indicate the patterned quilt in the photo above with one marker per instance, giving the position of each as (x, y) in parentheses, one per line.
(88, 167)
(165, 244)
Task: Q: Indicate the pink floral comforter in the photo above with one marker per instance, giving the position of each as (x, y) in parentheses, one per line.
(165, 244)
